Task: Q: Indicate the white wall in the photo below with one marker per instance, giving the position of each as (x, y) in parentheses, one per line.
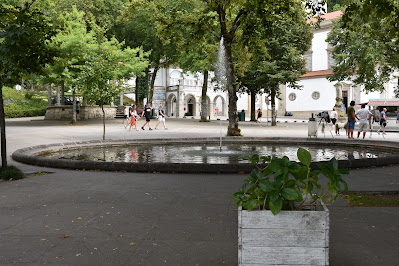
(319, 51)
(304, 100)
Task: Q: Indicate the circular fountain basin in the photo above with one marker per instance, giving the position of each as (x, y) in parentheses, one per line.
(202, 155)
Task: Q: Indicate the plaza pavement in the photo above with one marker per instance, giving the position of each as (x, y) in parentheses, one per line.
(115, 218)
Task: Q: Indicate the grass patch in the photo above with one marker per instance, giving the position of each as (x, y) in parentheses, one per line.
(372, 199)
(11, 173)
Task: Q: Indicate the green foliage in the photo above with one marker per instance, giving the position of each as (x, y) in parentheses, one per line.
(24, 35)
(366, 41)
(16, 104)
(284, 184)
(11, 173)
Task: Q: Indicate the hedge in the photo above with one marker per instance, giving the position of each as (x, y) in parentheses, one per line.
(24, 113)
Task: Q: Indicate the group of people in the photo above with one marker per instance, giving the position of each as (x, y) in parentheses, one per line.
(131, 117)
(363, 116)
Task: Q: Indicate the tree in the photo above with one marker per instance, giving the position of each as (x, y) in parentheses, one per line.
(24, 35)
(136, 27)
(235, 23)
(106, 66)
(366, 43)
(73, 43)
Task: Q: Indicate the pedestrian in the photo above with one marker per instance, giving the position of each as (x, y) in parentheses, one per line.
(126, 116)
(77, 110)
(133, 118)
(334, 117)
(161, 117)
(383, 121)
(363, 115)
(259, 116)
(147, 113)
(130, 109)
(397, 118)
(217, 111)
(351, 119)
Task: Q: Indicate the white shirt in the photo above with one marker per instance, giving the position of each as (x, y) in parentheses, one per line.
(334, 114)
(363, 114)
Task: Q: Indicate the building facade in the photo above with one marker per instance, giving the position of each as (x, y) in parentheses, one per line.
(318, 94)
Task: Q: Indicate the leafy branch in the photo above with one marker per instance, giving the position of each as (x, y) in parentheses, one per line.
(278, 183)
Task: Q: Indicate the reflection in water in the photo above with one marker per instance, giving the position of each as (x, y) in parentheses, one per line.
(210, 154)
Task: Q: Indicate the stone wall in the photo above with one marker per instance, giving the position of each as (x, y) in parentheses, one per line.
(64, 112)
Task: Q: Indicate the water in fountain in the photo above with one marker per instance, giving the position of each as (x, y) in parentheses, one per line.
(221, 69)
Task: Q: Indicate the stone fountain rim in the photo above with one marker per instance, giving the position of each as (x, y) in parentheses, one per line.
(28, 155)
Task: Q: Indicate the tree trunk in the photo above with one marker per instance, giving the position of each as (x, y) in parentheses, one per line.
(62, 93)
(231, 87)
(232, 129)
(253, 101)
(137, 91)
(2, 128)
(273, 102)
(73, 105)
(151, 93)
(102, 108)
(204, 106)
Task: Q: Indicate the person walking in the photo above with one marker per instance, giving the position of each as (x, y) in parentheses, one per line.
(126, 116)
(351, 119)
(78, 110)
(147, 113)
(363, 115)
(383, 121)
(334, 117)
(133, 118)
(259, 116)
(161, 117)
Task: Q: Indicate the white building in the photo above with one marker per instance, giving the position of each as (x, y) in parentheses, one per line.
(318, 94)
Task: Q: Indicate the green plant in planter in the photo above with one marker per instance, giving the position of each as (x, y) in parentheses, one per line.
(278, 183)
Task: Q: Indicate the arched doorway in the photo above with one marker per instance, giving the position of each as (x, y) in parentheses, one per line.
(190, 106)
(219, 104)
(171, 105)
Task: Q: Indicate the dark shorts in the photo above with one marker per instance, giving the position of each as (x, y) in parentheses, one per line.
(77, 111)
(383, 123)
(125, 116)
(351, 124)
(333, 120)
(147, 118)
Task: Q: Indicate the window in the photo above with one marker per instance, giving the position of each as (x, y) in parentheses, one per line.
(292, 96)
(331, 60)
(316, 95)
(308, 58)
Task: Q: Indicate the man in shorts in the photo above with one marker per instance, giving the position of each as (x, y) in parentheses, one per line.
(147, 113)
(383, 121)
(351, 119)
(363, 115)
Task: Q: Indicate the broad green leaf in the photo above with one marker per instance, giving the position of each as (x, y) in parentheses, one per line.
(289, 193)
(266, 185)
(250, 205)
(304, 156)
(275, 206)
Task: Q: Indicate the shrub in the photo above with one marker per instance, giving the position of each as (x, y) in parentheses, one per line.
(278, 183)
(16, 105)
(11, 173)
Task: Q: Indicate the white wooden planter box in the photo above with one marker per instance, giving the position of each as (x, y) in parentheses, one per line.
(288, 238)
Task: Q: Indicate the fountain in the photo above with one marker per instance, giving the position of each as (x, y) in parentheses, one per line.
(182, 155)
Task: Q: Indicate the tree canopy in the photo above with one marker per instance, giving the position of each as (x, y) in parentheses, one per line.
(366, 43)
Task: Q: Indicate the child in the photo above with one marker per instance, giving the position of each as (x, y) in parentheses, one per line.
(133, 118)
(126, 116)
